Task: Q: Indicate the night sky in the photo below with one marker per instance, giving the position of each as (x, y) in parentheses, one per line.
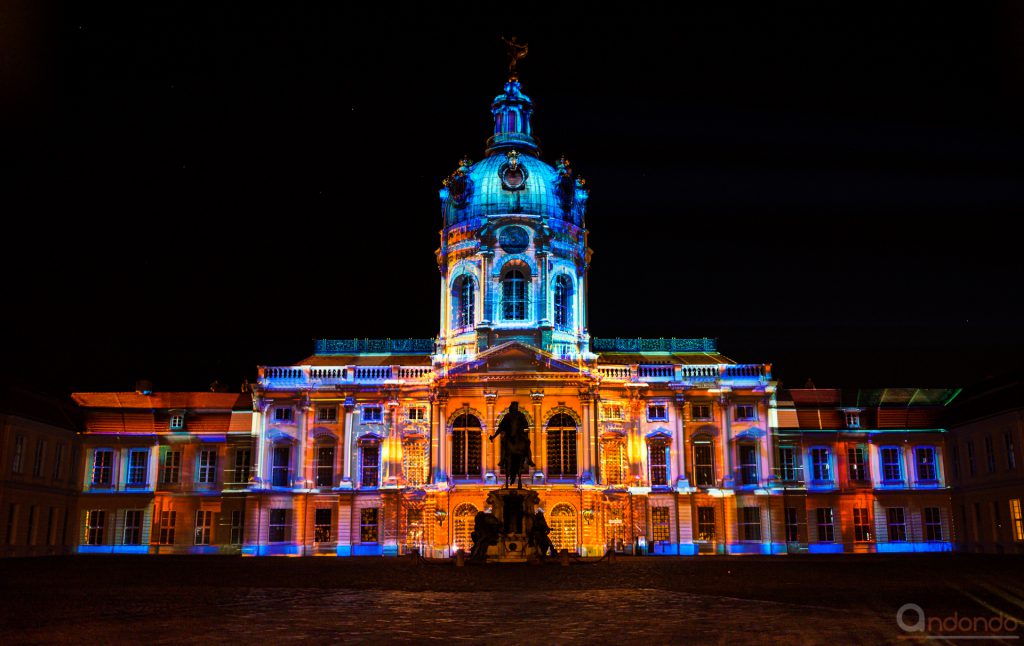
(198, 190)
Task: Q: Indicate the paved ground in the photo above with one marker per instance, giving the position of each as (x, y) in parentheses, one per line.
(736, 600)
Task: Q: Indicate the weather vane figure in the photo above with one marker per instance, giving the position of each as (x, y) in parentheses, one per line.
(516, 53)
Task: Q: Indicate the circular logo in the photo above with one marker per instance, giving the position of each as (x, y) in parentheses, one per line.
(514, 239)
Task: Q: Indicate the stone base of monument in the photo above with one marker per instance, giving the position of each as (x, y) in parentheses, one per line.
(512, 548)
(514, 509)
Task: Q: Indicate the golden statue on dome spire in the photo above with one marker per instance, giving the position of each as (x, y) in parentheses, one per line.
(516, 53)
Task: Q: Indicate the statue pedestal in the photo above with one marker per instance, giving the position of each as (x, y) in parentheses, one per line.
(514, 509)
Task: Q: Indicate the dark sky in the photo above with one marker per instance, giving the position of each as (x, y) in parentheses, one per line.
(200, 189)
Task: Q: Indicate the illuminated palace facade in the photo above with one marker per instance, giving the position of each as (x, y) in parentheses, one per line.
(379, 447)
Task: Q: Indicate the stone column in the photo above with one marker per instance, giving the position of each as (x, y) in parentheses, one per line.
(536, 448)
(490, 447)
(680, 477)
(589, 471)
(542, 291)
(441, 468)
(303, 428)
(350, 406)
(262, 470)
(486, 256)
(728, 477)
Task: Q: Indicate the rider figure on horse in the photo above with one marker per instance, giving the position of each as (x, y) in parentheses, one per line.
(513, 429)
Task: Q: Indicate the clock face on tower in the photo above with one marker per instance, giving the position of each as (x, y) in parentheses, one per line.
(513, 239)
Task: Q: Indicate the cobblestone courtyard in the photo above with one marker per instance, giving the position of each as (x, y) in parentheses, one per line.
(822, 600)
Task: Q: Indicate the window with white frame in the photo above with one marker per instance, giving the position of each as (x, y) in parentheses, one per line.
(466, 446)
(746, 412)
(897, 523)
(657, 412)
(207, 471)
(369, 464)
(792, 525)
(322, 525)
(177, 422)
(513, 296)
(372, 414)
(821, 464)
(170, 467)
(852, 418)
(561, 445)
(58, 460)
(132, 534)
(37, 465)
(237, 527)
(748, 464)
(327, 414)
(857, 463)
(611, 411)
(826, 525)
(704, 463)
(243, 465)
(280, 466)
(701, 411)
(417, 414)
(861, 525)
(95, 521)
(1011, 454)
(925, 461)
(283, 414)
(658, 450)
(18, 463)
(204, 527)
(788, 467)
(102, 467)
(168, 521)
(325, 465)
(705, 523)
(463, 303)
(990, 454)
(278, 526)
(932, 519)
(138, 463)
(750, 523)
(563, 301)
(892, 467)
(972, 466)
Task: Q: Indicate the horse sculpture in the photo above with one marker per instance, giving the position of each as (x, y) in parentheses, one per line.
(515, 445)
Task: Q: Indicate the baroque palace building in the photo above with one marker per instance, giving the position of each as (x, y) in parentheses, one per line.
(379, 447)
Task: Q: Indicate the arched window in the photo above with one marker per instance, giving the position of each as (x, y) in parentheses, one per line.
(563, 527)
(466, 446)
(463, 303)
(614, 461)
(465, 514)
(561, 446)
(563, 301)
(513, 296)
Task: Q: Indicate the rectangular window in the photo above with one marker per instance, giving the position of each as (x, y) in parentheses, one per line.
(371, 465)
(12, 523)
(892, 470)
(659, 524)
(368, 524)
(168, 520)
(972, 467)
(925, 460)
(279, 469)
(821, 466)
(170, 470)
(322, 526)
(1017, 519)
(611, 411)
(746, 412)
(613, 461)
(897, 525)
(132, 527)
(792, 525)
(657, 413)
(852, 419)
(31, 525)
(932, 524)
(857, 460)
(787, 464)
(329, 414)
(51, 538)
(95, 520)
(826, 525)
(414, 462)
(990, 455)
(138, 467)
(237, 527)
(278, 526)
(207, 473)
(704, 464)
(177, 422)
(700, 412)
(748, 464)
(58, 460)
(750, 523)
(861, 525)
(282, 414)
(243, 465)
(705, 523)
(37, 464)
(659, 463)
(102, 467)
(417, 414)
(372, 414)
(1011, 455)
(325, 466)
(997, 522)
(204, 527)
(956, 461)
(19, 454)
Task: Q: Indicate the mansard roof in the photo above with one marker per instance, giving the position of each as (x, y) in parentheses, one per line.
(192, 400)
